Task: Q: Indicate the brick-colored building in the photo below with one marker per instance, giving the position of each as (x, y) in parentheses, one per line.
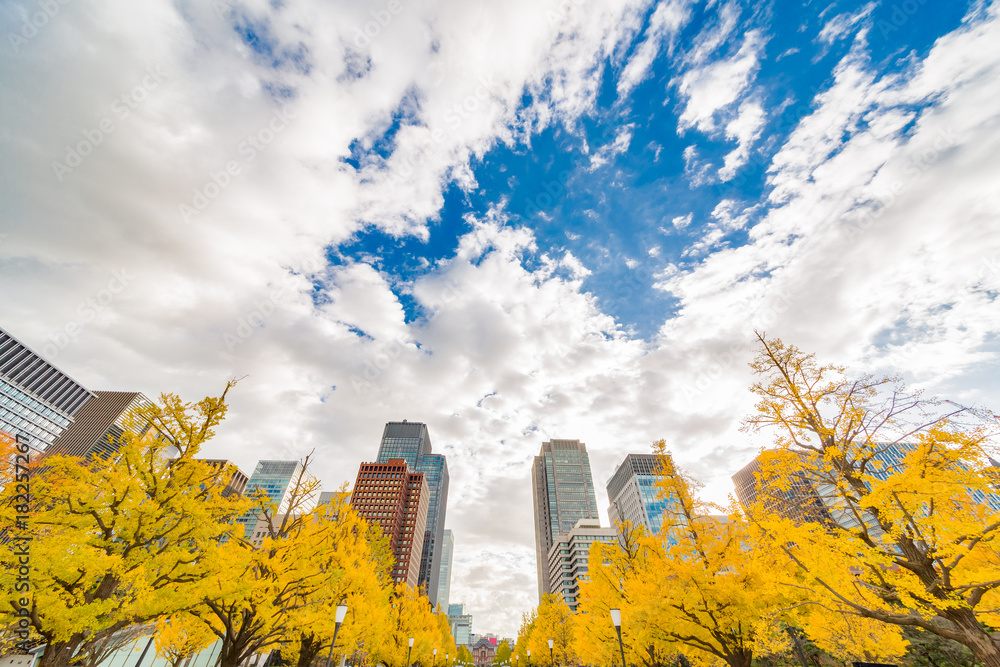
(396, 499)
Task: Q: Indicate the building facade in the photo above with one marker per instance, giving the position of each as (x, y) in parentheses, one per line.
(236, 480)
(461, 624)
(569, 555)
(793, 497)
(37, 400)
(397, 499)
(99, 425)
(483, 650)
(809, 494)
(633, 494)
(444, 581)
(411, 441)
(562, 494)
(277, 480)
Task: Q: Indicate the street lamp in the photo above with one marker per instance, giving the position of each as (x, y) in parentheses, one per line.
(410, 643)
(616, 618)
(529, 657)
(552, 660)
(435, 661)
(338, 618)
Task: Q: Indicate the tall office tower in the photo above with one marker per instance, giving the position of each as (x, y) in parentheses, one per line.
(562, 493)
(810, 494)
(633, 494)
(397, 500)
(799, 502)
(411, 442)
(444, 582)
(569, 555)
(277, 479)
(236, 480)
(37, 400)
(99, 425)
(461, 624)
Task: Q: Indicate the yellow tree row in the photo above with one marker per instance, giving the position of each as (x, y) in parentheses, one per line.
(148, 537)
(905, 511)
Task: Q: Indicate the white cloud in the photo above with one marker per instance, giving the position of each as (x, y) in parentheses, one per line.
(713, 87)
(745, 128)
(841, 25)
(608, 152)
(682, 221)
(667, 20)
(882, 221)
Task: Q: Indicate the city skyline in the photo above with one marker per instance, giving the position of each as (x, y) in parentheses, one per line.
(514, 222)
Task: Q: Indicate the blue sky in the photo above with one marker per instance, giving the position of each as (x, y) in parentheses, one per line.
(623, 209)
(513, 221)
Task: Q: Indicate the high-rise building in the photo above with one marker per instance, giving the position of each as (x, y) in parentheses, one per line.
(277, 479)
(633, 493)
(562, 493)
(444, 581)
(808, 494)
(411, 442)
(798, 500)
(395, 498)
(569, 555)
(461, 624)
(99, 425)
(37, 400)
(236, 479)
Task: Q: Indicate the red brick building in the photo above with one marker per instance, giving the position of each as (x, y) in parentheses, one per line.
(389, 495)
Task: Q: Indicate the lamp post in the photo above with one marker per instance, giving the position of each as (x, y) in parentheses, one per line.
(552, 660)
(529, 657)
(408, 650)
(434, 662)
(616, 618)
(338, 618)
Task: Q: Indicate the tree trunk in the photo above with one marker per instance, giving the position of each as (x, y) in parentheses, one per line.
(978, 640)
(309, 648)
(740, 658)
(59, 654)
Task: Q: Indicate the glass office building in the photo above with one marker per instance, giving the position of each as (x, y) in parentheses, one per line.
(37, 400)
(411, 442)
(562, 494)
(444, 581)
(633, 494)
(277, 480)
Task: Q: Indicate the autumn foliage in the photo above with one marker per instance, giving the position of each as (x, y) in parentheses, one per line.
(898, 545)
(145, 542)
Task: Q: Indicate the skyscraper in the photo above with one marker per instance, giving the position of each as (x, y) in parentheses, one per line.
(395, 498)
(411, 442)
(99, 425)
(37, 400)
(276, 479)
(563, 493)
(633, 495)
(444, 582)
(236, 479)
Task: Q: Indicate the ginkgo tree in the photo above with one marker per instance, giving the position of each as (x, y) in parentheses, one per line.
(907, 535)
(701, 585)
(360, 554)
(552, 619)
(120, 541)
